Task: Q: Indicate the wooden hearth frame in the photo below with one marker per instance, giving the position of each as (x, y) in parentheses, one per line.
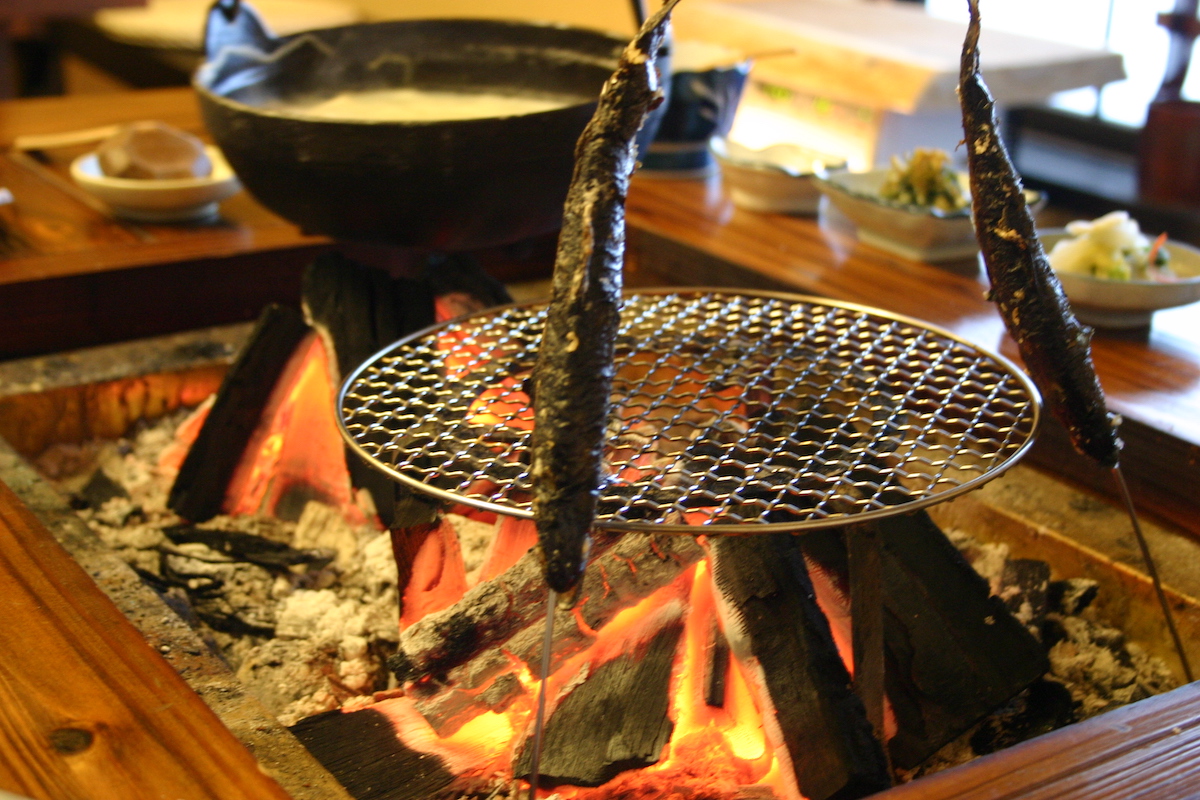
(90, 708)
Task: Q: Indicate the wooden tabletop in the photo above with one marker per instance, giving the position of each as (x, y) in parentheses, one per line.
(89, 710)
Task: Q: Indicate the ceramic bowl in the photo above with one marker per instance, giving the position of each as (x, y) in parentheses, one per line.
(1104, 303)
(920, 234)
(777, 179)
(174, 200)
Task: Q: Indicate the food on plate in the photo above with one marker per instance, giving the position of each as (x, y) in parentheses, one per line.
(1112, 247)
(1056, 349)
(153, 150)
(574, 374)
(924, 180)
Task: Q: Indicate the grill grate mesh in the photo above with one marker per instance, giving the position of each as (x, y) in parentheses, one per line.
(733, 413)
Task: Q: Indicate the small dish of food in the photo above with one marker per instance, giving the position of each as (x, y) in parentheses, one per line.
(777, 179)
(150, 172)
(918, 208)
(1115, 276)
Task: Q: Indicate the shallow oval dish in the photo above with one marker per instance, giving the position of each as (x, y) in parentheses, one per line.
(920, 234)
(777, 179)
(1104, 303)
(149, 200)
(914, 232)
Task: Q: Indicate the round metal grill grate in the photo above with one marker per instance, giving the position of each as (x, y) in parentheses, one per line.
(732, 412)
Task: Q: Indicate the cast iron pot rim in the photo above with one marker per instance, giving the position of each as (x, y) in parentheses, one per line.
(277, 114)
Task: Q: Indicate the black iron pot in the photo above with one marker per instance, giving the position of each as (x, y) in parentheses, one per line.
(446, 185)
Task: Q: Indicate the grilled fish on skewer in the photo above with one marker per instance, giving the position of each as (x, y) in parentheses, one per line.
(574, 372)
(1054, 346)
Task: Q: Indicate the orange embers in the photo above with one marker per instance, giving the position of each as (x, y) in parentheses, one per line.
(437, 578)
(297, 447)
(715, 751)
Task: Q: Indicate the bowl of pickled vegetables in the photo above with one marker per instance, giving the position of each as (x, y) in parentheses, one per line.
(1116, 276)
(918, 208)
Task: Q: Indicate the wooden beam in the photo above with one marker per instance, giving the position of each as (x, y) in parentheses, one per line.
(91, 711)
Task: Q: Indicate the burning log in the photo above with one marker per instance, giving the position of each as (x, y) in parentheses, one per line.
(505, 610)
(200, 486)
(782, 640)
(637, 566)
(505, 614)
(488, 615)
(616, 719)
(362, 750)
(953, 652)
(357, 310)
(716, 666)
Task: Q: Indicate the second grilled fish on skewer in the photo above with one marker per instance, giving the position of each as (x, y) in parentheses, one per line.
(1053, 344)
(1055, 347)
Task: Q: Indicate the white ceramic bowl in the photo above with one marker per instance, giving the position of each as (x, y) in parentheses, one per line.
(1104, 303)
(920, 234)
(776, 179)
(147, 200)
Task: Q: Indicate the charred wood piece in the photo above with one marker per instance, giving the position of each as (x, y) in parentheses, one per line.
(636, 566)
(99, 489)
(614, 721)
(1027, 584)
(363, 751)
(204, 476)
(1071, 596)
(633, 569)
(866, 605)
(504, 611)
(357, 310)
(716, 667)
(953, 653)
(253, 549)
(488, 615)
(782, 640)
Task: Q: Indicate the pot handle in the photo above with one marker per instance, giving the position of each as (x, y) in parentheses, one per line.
(233, 22)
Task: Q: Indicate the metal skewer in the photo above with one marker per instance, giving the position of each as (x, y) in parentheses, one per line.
(540, 715)
(1152, 570)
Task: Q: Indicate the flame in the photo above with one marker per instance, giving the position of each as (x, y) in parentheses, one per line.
(713, 752)
(514, 537)
(438, 578)
(173, 455)
(297, 446)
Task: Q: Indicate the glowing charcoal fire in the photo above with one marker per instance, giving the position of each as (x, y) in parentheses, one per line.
(472, 706)
(299, 448)
(678, 669)
(714, 751)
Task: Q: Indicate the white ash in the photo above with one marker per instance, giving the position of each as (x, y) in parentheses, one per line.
(303, 640)
(1090, 659)
(1101, 669)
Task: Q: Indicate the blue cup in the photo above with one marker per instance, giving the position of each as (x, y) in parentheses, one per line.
(701, 105)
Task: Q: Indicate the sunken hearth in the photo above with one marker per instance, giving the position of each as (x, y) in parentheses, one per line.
(650, 689)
